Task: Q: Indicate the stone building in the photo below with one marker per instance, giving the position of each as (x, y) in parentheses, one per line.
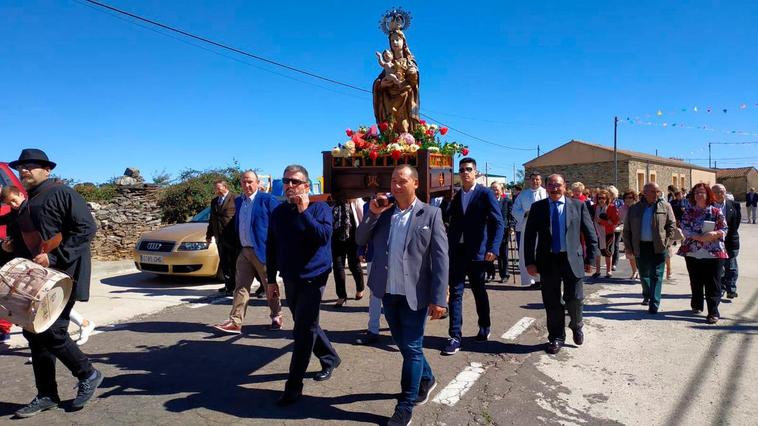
(738, 180)
(592, 165)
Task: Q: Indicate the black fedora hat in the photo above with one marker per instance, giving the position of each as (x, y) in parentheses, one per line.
(32, 155)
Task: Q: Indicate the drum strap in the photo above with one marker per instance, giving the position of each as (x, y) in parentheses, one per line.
(32, 237)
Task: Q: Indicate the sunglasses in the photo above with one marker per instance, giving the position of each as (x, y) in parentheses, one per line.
(27, 166)
(293, 182)
(466, 169)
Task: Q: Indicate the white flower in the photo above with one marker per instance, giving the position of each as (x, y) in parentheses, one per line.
(350, 145)
(413, 147)
(433, 149)
(336, 152)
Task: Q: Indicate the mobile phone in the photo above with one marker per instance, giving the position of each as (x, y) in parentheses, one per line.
(382, 202)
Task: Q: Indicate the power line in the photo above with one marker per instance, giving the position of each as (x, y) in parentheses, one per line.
(224, 46)
(278, 64)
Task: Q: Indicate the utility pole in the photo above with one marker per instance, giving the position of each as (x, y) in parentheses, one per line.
(538, 150)
(486, 173)
(514, 173)
(615, 153)
(709, 155)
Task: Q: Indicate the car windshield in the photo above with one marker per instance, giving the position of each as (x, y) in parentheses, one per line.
(203, 216)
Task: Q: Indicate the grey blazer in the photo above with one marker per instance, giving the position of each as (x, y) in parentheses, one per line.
(425, 260)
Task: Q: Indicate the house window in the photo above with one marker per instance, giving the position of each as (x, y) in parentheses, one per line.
(682, 186)
(675, 180)
(652, 176)
(640, 180)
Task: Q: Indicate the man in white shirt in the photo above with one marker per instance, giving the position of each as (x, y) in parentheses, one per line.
(521, 207)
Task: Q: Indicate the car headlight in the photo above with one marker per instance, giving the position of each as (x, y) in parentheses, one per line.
(193, 246)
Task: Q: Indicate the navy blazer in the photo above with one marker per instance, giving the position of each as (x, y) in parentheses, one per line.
(538, 235)
(263, 204)
(482, 225)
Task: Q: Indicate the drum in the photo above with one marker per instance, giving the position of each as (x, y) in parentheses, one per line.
(32, 296)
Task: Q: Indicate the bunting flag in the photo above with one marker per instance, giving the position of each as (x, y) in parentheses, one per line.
(660, 112)
(638, 121)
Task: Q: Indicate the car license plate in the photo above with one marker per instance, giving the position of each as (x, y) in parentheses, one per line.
(148, 258)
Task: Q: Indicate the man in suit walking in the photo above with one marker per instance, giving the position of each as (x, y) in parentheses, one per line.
(506, 206)
(253, 211)
(733, 214)
(410, 275)
(751, 201)
(553, 248)
(219, 228)
(474, 235)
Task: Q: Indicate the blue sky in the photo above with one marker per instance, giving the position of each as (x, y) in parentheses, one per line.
(99, 93)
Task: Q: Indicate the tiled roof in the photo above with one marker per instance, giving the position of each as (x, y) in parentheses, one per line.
(736, 172)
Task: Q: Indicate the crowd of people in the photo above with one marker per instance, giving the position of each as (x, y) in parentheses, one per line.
(419, 258)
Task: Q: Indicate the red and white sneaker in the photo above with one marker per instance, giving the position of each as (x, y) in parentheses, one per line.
(228, 327)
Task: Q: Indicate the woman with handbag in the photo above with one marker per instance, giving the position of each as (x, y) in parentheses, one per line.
(629, 198)
(606, 219)
(704, 228)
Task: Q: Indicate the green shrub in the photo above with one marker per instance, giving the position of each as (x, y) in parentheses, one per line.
(96, 193)
(194, 191)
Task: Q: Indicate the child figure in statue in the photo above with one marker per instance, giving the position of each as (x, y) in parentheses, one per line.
(391, 73)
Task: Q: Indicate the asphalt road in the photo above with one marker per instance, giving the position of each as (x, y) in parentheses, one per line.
(170, 367)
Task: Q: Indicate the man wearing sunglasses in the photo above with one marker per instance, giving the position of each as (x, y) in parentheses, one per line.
(54, 210)
(474, 235)
(299, 248)
(251, 221)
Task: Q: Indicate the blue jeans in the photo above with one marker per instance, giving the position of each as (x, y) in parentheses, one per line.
(729, 279)
(374, 307)
(407, 328)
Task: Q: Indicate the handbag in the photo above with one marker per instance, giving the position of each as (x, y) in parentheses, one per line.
(678, 234)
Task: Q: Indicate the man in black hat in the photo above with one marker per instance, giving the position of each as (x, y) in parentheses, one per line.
(58, 228)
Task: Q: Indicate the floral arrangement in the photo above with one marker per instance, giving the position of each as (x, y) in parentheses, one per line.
(371, 142)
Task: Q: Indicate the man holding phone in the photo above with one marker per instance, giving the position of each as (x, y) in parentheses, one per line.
(299, 248)
(409, 273)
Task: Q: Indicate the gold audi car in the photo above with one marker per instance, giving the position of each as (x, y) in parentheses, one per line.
(179, 250)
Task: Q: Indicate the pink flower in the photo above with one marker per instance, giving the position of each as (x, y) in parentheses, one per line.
(406, 138)
(373, 131)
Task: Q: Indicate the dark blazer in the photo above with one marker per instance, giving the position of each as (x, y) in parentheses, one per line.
(538, 235)
(425, 259)
(482, 225)
(751, 199)
(221, 217)
(733, 214)
(263, 204)
(506, 207)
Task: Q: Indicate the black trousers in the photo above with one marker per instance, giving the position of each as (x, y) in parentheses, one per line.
(616, 239)
(502, 259)
(342, 250)
(304, 301)
(705, 274)
(573, 295)
(55, 343)
(227, 254)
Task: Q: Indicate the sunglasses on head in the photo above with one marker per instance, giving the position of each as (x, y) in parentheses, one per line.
(294, 182)
(466, 169)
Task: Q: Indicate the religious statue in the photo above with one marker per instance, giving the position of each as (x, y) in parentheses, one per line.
(395, 90)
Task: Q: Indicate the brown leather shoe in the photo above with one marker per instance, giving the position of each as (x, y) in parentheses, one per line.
(228, 327)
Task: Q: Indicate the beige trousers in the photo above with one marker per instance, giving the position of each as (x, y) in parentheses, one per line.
(250, 267)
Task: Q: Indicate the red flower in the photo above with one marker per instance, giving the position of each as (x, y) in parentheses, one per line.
(384, 126)
(464, 151)
(396, 155)
(373, 154)
(430, 132)
(348, 132)
(443, 131)
(358, 140)
(422, 122)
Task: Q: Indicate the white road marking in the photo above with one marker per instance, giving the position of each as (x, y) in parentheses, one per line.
(518, 328)
(453, 392)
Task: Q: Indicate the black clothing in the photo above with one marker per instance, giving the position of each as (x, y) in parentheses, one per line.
(678, 207)
(221, 227)
(733, 215)
(55, 208)
(345, 248)
(705, 274)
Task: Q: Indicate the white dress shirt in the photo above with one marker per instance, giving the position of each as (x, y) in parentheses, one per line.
(245, 214)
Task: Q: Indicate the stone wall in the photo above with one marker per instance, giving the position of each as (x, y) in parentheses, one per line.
(590, 174)
(121, 221)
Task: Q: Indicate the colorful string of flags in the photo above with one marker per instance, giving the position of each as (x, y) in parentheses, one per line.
(660, 114)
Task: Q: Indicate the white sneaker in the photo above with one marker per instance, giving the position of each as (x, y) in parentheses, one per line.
(84, 333)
